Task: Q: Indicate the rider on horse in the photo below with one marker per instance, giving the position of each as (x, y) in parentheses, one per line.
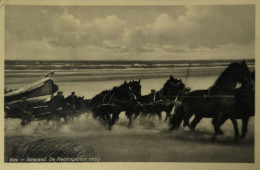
(58, 104)
(152, 96)
(71, 99)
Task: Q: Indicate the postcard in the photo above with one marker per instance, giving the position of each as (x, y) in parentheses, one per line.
(129, 84)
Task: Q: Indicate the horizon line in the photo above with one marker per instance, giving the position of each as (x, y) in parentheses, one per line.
(130, 60)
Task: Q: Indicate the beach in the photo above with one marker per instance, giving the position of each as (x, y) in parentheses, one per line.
(147, 141)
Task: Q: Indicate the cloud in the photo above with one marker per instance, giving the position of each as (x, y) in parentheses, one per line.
(200, 26)
(30, 49)
(113, 44)
(71, 32)
(229, 51)
(196, 32)
(163, 24)
(110, 27)
(68, 31)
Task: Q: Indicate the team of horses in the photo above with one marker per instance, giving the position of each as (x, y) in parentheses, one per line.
(107, 105)
(224, 100)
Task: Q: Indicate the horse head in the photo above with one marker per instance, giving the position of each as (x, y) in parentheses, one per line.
(136, 87)
(124, 93)
(236, 72)
(173, 87)
(79, 103)
(243, 74)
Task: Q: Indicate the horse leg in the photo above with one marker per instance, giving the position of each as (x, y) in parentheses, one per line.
(186, 119)
(115, 117)
(130, 124)
(129, 116)
(148, 116)
(142, 116)
(175, 121)
(109, 121)
(66, 116)
(234, 122)
(159, 115)
(244, 126)
(222, 121)
(195, 121)
(152, 116)
(145, 115)
(137, 113)
(104, 117)
(96, 115)
(57, 117)
(217, 123)
(167, 116)
(177, 118)
(168, 112)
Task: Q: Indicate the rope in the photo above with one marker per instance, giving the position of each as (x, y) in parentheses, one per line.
(103, 99)
(173, 109)
(111, 98)
(156, 102)
(214, 96)
(111, 104)
(90, 108)
(122, 100)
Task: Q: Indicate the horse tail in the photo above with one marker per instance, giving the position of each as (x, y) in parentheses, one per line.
(177, 118)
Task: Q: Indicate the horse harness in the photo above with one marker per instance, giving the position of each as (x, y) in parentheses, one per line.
(111, 98)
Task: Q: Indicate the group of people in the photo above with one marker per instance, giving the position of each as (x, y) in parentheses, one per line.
(61, 106)
(58, 104)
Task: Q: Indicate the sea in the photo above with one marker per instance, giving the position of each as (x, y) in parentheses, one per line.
(91, 77)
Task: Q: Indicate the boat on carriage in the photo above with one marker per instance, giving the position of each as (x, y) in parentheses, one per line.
(37, 97)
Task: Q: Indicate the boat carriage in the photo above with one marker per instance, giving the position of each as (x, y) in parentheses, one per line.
(37, 95)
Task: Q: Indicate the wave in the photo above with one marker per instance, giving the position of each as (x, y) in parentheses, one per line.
(83, 65)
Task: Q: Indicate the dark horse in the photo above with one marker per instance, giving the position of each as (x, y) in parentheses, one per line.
(164, 99)
(133, 110)
(244, 104)
(112, 102)
(218, 102)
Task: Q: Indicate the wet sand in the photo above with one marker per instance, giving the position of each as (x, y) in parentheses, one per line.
(147, 141)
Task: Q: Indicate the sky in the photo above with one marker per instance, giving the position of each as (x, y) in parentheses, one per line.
(129, 32)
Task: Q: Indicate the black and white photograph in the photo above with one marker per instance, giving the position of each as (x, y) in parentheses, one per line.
(129, 83)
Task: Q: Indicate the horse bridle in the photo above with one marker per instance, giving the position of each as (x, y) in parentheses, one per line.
(124, 101)
(175, 84)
